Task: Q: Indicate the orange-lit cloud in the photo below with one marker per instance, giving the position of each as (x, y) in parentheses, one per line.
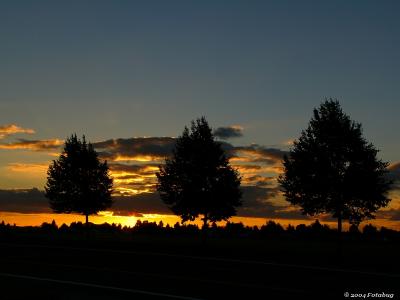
(254, 174)
(143, 169)
(6, 130)
(34, 169)
(257, 165)
(259, 154)
(134, 162)
(259, 180)
(288, 142)
(33, 145)
(133, 179)
(139, 158)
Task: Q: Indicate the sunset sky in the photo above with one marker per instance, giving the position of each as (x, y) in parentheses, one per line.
(131, 74)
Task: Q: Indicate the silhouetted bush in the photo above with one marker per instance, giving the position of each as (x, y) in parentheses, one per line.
(270, 230)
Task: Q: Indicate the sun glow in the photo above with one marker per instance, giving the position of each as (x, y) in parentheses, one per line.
(125, 191)
(33, 169)
(139, 158)
(20, 219)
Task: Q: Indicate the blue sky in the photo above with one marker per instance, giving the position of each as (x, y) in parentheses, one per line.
(121, 69)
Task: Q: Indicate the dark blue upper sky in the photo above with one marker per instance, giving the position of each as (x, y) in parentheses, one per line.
(146, 68)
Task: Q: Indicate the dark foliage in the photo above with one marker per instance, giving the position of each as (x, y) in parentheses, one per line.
(77, 181)
(270, 231)
(333, 169)
(198, 179)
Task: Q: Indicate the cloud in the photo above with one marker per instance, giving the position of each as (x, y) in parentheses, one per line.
(34, 201)
(144, 169)
(6, 130)
(260, 154)
(145, 203)
(258, 180)
(134, 161)
(254, 160)
(28, 168)
(229, 132)
(394, 214)
(257, 202)
(147, 153)
(133, 179)
(394, 174)
(151, 149)
(23, 201)
(33, 145)
(254, 174)
(288, 142)
(136, 149)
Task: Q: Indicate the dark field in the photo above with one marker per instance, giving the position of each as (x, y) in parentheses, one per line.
(148, 266)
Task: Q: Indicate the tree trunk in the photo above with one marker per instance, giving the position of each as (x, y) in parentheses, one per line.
(205, 220)
(87, 226)
(339, 224)
(204, 229)
(339, 235)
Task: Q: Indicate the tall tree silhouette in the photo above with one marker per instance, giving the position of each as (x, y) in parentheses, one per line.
(77, 181)
(333, 169)
(198, 180)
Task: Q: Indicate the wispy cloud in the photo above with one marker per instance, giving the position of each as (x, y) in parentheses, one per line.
(288, 142)
(9, 129)
(133, 179)
(258, 153)
(33, 145)
(36, 169)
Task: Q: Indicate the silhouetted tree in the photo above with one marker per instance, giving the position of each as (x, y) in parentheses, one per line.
(198, 179)
(77, 181)
(272, 229)
(354, 230)
(333, 169)
(290, 229)
(370, 230)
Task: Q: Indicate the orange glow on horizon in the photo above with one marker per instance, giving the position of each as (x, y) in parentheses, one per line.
(107, 217)
(140, 158)
(33, 169)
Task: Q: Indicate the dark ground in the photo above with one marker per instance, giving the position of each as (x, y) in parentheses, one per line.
(157, 267)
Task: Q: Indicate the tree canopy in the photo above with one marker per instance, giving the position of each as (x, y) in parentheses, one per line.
(77, 181)
(333, 169)
(198, 179)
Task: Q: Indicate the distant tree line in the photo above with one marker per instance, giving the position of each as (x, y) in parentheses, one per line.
(270, 230)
